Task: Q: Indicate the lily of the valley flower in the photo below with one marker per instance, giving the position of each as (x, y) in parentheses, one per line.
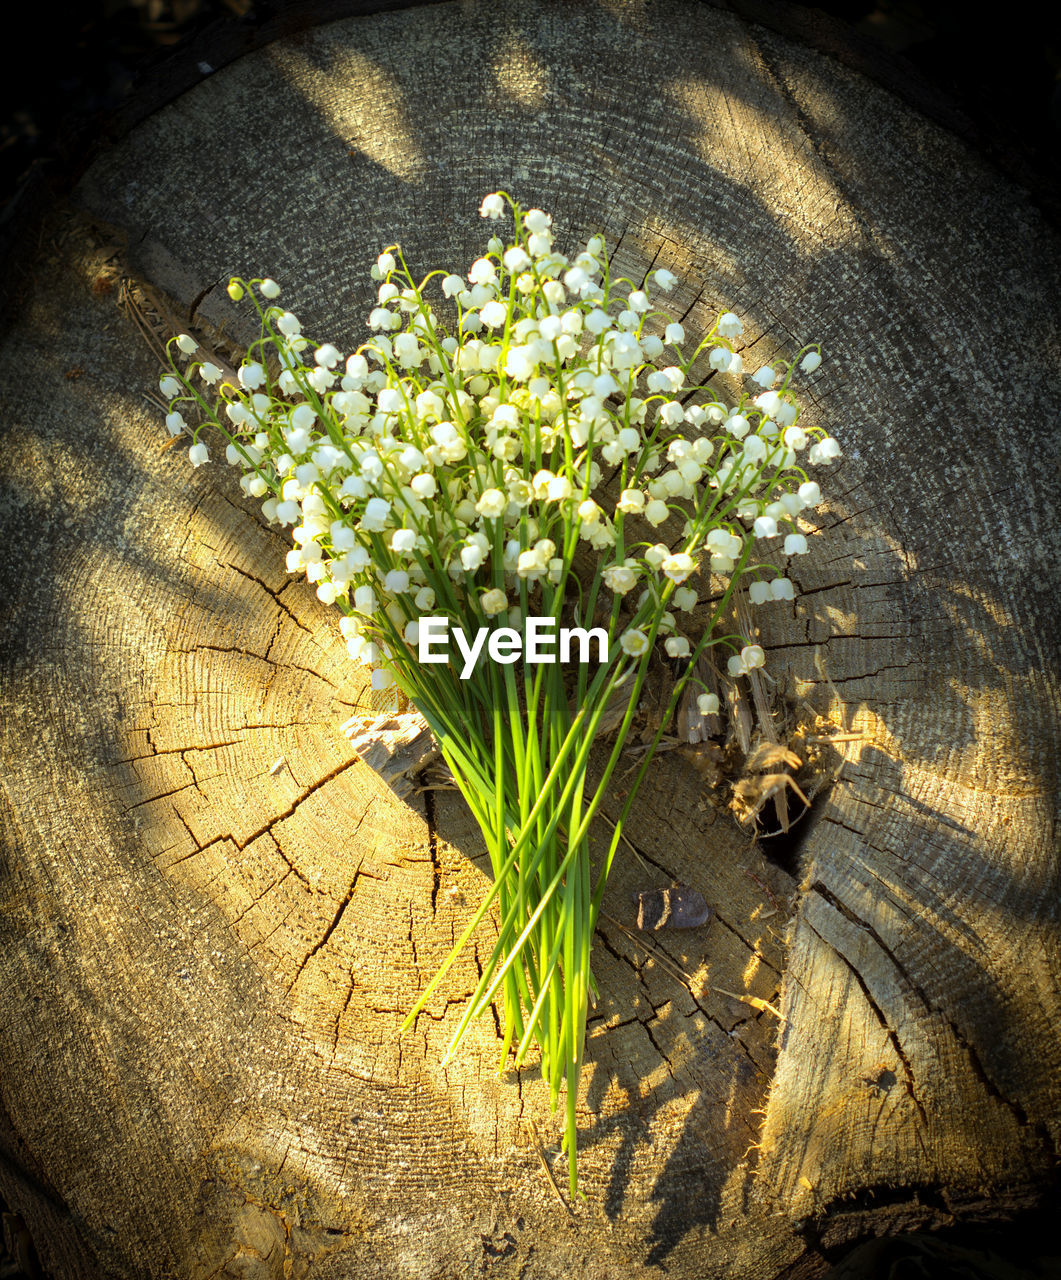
(463, 463)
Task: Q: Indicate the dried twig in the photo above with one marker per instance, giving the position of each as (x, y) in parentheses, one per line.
(533, 1131)
(655, 953)
(763, 1006)
(820, 667)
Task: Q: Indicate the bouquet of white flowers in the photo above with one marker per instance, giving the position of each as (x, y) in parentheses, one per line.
(498, 481)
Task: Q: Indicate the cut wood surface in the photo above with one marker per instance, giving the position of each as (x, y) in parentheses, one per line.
(205, 960)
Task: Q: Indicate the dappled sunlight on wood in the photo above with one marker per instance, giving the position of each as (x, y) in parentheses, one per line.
(519, 75)
(379, 127)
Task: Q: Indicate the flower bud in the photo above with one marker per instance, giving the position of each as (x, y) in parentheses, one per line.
(493, 602)
(656, 512)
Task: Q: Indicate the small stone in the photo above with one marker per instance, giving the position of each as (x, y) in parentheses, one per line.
(679, 907)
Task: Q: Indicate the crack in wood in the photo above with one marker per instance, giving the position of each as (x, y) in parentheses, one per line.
(700, 1007)
(914, 988)
(878, 1012)
(176, 751)
(273, 595)
(254, 902)
(291, 866)
(342, 1013)
(290, 810)
(432, 837)
(332, 927)
(286, 665)
(647, 1024)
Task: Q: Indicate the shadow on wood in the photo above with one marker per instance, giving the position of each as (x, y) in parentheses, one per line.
(205, 962)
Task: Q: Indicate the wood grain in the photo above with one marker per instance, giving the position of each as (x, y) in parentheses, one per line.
(204, 965)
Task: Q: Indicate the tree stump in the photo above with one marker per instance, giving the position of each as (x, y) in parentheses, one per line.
(205, 960)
